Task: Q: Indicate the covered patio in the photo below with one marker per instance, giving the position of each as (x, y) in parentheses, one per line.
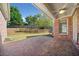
(65, 17)
(65, 32)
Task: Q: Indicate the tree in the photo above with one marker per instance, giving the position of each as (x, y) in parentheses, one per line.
(40, 21)
(44, 23)
(15, 17)
(31, 20)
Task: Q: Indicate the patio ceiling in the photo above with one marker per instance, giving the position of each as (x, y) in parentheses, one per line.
(50, 9)
(54, 9)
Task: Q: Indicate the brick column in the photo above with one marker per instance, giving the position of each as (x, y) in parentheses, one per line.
(3, 30)
(57, 35)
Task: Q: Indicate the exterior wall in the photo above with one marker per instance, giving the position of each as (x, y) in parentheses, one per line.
(3, 32)
(58, 35)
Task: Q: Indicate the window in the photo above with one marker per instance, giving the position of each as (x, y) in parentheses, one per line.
(63, 26)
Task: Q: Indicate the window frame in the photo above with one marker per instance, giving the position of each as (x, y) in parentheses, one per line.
(62, 33)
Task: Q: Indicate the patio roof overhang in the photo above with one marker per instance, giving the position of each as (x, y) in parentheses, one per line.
(5, 9)
(44, 9)
(57, 10)
(50, 9)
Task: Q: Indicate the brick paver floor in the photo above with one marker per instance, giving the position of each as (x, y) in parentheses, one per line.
(40, 46)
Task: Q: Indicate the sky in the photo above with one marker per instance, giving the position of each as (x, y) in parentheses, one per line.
(26, 9)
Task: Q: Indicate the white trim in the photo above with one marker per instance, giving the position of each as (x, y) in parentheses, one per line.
(75, 40)
(53, 26)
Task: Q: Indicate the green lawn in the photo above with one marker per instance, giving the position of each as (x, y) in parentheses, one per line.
(22, 35)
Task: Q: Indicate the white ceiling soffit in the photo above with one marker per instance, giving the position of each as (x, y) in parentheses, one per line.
(54, 8)
(5, 9)
(44, 9)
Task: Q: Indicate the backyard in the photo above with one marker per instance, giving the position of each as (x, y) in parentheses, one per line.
(22, 35)
(22, 25)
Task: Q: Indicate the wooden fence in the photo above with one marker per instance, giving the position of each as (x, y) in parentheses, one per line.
(27, 30)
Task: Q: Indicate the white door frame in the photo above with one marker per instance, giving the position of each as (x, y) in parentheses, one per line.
(75, 28)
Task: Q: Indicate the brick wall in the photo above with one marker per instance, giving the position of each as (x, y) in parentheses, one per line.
(57, 35)
(3, 31)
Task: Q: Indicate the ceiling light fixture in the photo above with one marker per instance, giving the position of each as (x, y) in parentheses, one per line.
(62, 11)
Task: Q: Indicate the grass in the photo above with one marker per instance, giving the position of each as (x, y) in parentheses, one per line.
(22, 35)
